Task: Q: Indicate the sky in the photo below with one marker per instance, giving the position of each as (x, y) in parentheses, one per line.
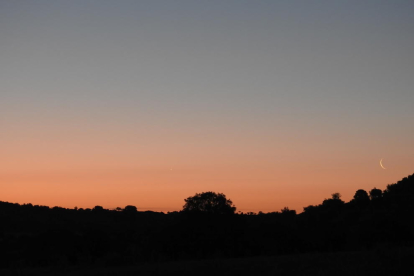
(273, 103)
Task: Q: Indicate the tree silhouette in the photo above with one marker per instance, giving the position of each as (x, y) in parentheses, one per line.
(335, 200)
(336, 196)
(361, 198)
(287, 213)
(334, 203)
(209, 203)
(375, 194)
(98, 209)
(130, 209)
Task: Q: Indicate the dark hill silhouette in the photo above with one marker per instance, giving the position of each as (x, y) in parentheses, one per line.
(40, 236)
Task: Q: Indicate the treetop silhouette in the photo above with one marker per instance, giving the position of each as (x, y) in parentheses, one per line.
(209, 203)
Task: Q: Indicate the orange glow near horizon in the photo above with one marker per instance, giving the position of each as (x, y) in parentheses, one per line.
(251, 187)
(83, 167)
(277, 104)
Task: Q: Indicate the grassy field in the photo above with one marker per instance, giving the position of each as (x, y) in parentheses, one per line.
(383, 261)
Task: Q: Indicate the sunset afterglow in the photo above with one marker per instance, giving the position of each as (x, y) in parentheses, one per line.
(145, 103)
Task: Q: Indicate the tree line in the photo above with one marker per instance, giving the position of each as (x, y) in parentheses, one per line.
(208, 226)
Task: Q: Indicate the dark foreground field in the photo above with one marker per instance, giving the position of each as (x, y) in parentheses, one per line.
(381, 261)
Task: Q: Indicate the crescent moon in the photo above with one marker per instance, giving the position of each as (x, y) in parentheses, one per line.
(381, 164)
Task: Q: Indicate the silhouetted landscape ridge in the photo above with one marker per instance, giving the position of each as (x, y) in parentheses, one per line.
(208, 227)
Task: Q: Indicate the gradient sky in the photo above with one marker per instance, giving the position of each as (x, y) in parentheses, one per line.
(273, 103)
